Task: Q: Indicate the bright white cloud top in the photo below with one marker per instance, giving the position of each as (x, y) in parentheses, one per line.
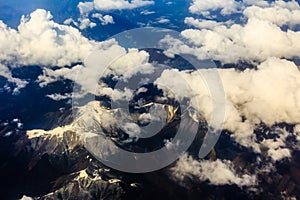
(40, 41)
(205, 6)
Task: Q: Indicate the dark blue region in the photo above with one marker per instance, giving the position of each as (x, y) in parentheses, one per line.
(31, 105)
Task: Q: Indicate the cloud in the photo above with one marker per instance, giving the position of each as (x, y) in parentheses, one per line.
(106, 5)
(85, 75)
(163, 20)
(5, 72)
(132, 62)
(120, 4)
(259, 35)
(85, 7)
(58, 97)
(204, 24)
(84, 22)
(40, 41)
(269, 95)
(260, 3)
(109, 59)
(256, 40)
(132, 129)
(106, 19)
(204, 7)
(219, 172)
(146, 12)
(279, 14)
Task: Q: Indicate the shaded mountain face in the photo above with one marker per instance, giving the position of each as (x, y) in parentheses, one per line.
(56, 165)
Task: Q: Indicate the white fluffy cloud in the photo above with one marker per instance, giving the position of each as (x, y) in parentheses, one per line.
(86, 75)
(255, 41)
(276, 148)
(84, 21)
(40, 41)
(205, 6)
(279, 7)
(260, 37)
(106, 19)
(109, 59)
(204, 24)
(216, 172)
(269, 94)
(279, 14)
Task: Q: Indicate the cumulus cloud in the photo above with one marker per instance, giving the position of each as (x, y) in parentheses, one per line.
(269, 94)
(84, 21)
(132, 62)
(85, 7)
(85, 75)
(123, 68)
(109, 59)
(261, 35)
(106, 19)
(5, 72)
(219, 172)
(276, 148)
(40, 41)
(204, 7)
(203, 23)
(257, 40)
(279, 14)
